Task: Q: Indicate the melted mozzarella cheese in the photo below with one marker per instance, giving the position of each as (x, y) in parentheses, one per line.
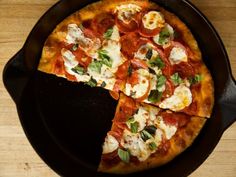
(113, 51)
(141, 88)
(166, 42)
(181, 98)
(126, 12)
(169, 130)
(115, 34)
(75, 34)
(136, 145)
(178, 55)
(105, 76)
(158, 136)
(153, 20)
(141, 117)
(110, 144)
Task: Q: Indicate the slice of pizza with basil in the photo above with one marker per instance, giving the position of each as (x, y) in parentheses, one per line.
(144, 136)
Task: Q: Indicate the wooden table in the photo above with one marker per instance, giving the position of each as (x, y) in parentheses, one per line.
(17, 157)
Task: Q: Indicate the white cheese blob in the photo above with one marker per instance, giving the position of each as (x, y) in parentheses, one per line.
(158, 136)
(181, 98)
(141, 117)
(110, 144)
(115, 34)
(136, 145)
(113, 51)
(167, 41)
(75, 34)
(153, 20)
(126, 12)
(178, 55)
(140, 89)
(169, 130)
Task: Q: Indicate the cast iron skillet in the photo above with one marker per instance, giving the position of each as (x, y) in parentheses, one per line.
(66, 122)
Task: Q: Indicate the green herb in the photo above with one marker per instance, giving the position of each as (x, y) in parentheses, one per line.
(124, 155)
(81, 26)
(92, 82)
(108, 33)
(95, 66)
(145, 135)
(105, 59)
(132, 93)
(154, 96)
(149, 54)
(161, 80)
(152, 146)
(79, 70)
(130, 71)
(75, 47)
(157, 61)
(196, 79)
(164, 35)
(176, 79)
(130, 120)
(134, 127)
(151, 129)
(103, 84)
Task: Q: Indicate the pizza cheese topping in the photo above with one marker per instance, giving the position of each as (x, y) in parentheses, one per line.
(153, 20)
(110, 144)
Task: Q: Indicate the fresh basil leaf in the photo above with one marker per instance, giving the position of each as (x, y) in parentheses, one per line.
(108, 33)
(130, 120)
(105, 59)
(163, 36)
(176, 79)
(130, 70)
(92, 82)
(152, 146)
(103, 84)
(149, 54)
(151, 129)
(154, 96)
(79, 70)
(145, 135)
(196, 79)
(132, 93)
(75, 47)
(95, 66)
(124, 155)
(134, 127)
(161, 80)
(157, 61)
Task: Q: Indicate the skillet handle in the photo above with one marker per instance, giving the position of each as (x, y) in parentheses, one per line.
(228, 104)
(16, 76)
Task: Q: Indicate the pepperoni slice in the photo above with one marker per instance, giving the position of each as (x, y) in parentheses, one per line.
(169, 90)
(122, 71)
(130, 43)
(147, 32)
(58, 67)
(132, 26)
(114, 95)
(184, 69)
(102, 23)
(82, 58)
(137, 63)
(169, 119)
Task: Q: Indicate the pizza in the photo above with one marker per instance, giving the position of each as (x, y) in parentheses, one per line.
(148, 60)
(144, 136)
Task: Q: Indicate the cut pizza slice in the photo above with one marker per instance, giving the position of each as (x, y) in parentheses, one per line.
(143, 136)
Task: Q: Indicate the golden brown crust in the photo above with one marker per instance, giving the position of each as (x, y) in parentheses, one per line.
(178, 143)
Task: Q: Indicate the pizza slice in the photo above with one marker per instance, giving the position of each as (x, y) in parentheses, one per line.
(144, 136)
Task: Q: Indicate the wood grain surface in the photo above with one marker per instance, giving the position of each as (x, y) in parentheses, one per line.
(17, 157)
